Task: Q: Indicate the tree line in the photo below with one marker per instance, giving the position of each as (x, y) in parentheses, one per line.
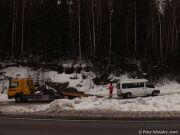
(107, 31)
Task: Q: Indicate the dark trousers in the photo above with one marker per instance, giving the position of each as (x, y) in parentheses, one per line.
(110, 93)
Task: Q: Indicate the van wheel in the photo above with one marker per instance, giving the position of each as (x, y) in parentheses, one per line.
(128, 95)
(18, 99)
(154, 93)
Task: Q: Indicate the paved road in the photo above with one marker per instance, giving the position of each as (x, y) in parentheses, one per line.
(59, 127)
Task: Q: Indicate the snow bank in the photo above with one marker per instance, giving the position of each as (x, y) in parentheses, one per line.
(161, 103)
(18, 108)
(4, 97)
(166, 103)
(59, 105)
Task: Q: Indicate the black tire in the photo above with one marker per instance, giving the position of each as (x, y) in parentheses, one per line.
(124, 96)
(128, 95)
(61, 96)
(51, 97)
(154, 93)
(69, 97)
(18, 99)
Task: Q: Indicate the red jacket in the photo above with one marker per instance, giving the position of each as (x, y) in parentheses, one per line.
(111, 87)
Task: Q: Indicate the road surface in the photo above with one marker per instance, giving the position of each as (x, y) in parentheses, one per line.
(10, 126)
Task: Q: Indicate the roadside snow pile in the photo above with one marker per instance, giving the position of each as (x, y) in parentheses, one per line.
(160, 103)
(59, 105)
(166, 103)
(4, 97)
(19, 108)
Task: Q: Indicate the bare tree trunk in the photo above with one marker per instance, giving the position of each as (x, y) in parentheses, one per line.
(167, 44)
(173, 28)
(110, 34)
(135, 21)
(79, 10)
(127, 37)
(160, 37)
(99, 24)
(176, 34)
(15, 26)
(13, 30)
(94, 33)
(90, 37)
(22, 32)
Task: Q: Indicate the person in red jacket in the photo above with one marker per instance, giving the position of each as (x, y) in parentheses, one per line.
(110, 90)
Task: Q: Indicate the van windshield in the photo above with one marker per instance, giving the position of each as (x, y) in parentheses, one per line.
(13, 84)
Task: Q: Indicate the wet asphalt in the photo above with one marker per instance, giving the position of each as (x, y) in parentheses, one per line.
(10, 126)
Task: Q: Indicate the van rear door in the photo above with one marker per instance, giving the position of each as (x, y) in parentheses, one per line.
(119, 91)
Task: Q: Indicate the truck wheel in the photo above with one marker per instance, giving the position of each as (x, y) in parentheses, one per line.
(128, 95)
(71, 97)
(18, 99)
(124, 96)
(154, 93)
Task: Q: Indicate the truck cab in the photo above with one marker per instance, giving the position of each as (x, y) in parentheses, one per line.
(20, 87)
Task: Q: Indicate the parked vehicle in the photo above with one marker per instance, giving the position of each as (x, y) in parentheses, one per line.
(24, 90)
(136, 87)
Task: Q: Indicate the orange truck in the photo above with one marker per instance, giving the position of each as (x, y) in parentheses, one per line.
(24, 90)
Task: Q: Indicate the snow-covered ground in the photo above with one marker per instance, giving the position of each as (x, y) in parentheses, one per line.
(167, 103)
(169, 100)
(160, 103)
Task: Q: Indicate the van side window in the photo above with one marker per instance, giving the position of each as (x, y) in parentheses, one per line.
(13, 85)
(132, 85)
(126, 85)
(141, 84)
(149, 85)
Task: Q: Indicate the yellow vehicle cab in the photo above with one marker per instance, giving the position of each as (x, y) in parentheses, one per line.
(20, 86)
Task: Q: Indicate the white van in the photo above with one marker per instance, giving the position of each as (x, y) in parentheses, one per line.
(136, 87)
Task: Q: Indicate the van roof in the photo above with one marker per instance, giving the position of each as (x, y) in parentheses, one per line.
(132, 80)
